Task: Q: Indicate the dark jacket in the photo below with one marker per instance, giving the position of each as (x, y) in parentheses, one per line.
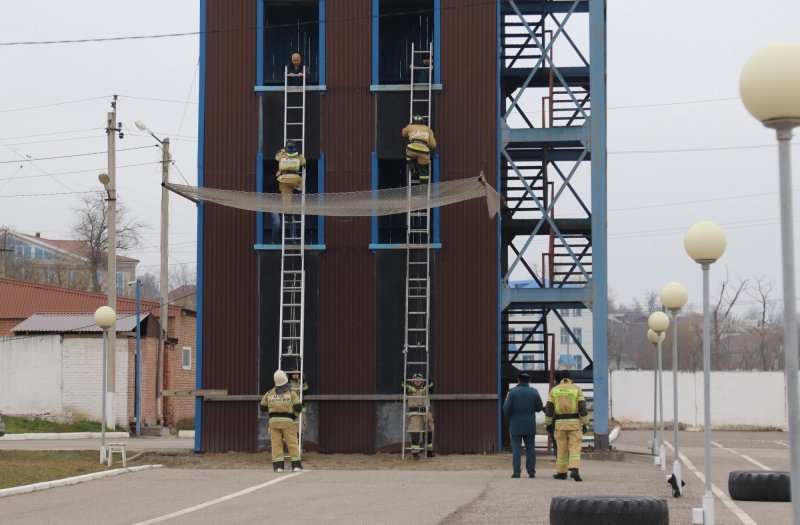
(520, 407)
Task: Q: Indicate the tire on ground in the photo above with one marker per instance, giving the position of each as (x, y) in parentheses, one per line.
(759, 485)
(608, 510)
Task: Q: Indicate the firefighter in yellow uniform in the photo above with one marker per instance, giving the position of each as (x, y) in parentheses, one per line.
(290, 178)
(418, 402)
(566, 417)
(418, 150)
(283, 406)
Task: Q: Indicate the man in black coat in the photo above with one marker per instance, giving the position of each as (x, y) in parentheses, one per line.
(520, 407)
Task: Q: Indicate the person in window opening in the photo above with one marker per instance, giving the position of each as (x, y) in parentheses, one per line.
(418, 149)
(290, 179)
(422, 73)
(295, 70)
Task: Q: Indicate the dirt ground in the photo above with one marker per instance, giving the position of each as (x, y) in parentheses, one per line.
(317, 461)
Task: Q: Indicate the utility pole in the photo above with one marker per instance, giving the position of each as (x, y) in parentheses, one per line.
(164, 279)
(110, 182)
(3, 251)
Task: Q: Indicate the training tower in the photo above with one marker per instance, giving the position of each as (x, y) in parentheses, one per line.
(516, 90)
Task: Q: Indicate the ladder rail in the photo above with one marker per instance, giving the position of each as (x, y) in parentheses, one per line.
(418, 295)
(291, 326)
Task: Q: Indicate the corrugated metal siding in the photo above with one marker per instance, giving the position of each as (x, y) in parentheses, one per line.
(347, 323)
(230, 306)
(466, 268)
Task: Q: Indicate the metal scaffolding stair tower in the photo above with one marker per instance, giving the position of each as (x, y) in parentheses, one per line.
(553, 157)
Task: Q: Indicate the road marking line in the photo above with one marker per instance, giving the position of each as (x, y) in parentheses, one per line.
(748, 458)
(218, 500)
(733, 507)
(781, 443)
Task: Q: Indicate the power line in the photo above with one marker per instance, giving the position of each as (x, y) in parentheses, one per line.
(46, 194)
(159, 99)
(71, 156)
(54, 104)
(51, 133)
(98, 170)
(723, 148)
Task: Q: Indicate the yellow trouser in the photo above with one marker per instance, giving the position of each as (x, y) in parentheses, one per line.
(421, 158)
(288, 182)
(416, 426)
(568, 445)
(280, 431)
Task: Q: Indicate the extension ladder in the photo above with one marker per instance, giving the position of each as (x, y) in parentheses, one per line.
(416, 357)
(292, 310)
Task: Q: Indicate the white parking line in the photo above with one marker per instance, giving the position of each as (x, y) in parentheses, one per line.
(748, 458)
(780, 443)
(733, 507)
(218, 500)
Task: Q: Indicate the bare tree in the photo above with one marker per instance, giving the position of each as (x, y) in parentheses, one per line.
(182, 275)
(722, 319)
(650, 299)
(765, 333)
(91, 228)
(149, 289)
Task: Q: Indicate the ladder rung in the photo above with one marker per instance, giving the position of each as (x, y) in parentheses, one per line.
(291, 337)
(290, 354)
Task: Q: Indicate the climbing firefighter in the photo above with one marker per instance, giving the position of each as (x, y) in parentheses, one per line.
(283, 406)
(418, 149)
(418, 404)
(290, 178)
(566, 417)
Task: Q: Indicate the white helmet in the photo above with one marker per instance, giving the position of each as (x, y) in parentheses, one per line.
(280, 378)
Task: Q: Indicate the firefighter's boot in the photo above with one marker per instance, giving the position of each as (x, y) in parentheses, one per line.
(297, 466)
(277, 466)
(560, 475)
(574, 474)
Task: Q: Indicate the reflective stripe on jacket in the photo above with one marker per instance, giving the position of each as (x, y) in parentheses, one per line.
(566, 406)
(282, 406)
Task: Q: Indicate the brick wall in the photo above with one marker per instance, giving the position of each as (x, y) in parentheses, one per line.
(149, 349)
(7, 324)
(182, 328)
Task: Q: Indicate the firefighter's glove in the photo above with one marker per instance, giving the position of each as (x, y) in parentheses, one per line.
(585, 428)
(262, 408)
(550, 428)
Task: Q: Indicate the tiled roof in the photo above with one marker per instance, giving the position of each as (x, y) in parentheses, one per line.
(21, 299)
(187, 290)
(61, 323)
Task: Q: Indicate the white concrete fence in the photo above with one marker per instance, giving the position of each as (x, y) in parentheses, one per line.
(739, 400)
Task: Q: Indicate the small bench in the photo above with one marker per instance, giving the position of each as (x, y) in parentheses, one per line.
(120, 448)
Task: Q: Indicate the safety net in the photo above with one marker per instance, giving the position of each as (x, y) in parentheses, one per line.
(351, 204)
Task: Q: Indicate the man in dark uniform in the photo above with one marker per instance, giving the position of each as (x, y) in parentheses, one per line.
(520, 407)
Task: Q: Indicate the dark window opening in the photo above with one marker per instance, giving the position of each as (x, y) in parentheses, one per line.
(402, 23)
(272, 233)
(291, 27)
(392, 229)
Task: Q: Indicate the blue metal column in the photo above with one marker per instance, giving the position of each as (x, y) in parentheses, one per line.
(597, 78)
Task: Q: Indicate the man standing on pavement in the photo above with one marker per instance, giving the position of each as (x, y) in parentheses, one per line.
(283, 406)
(565, 416)
(520, 407)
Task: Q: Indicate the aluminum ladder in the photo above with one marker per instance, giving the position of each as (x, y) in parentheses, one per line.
(416, 357)
(292, 311)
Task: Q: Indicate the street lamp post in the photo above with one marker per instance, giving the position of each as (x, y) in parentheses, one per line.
(138, 364)
(655, 338)
(108, 181)
(705, 243)
(105, 317)
(769, 84)
(658, 322)
(163, 286)
(674, 297)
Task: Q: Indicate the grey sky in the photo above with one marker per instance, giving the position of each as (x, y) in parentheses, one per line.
(681, 146)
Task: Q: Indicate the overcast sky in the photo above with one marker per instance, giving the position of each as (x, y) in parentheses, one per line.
(681, 146)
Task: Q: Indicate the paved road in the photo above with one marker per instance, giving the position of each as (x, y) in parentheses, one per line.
(142, 443)
(451, 497)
